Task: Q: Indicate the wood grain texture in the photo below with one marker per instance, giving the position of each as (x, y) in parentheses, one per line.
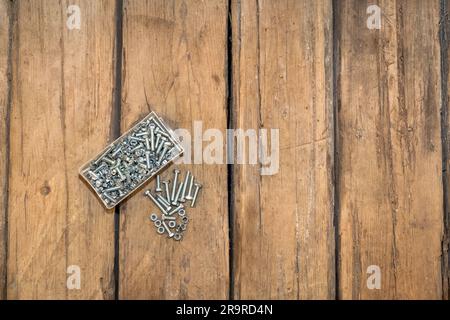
(62, 103)
(174, 56)
(4, 94)
(282, 79)
(390, 169)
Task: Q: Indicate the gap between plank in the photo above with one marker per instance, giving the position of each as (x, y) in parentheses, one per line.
(11, 18)
(230, 167)
(115, 126)
(336, 68)
(443, 39)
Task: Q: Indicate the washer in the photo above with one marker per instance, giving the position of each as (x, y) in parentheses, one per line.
(177, 236)
(172, 224)
(161, 230)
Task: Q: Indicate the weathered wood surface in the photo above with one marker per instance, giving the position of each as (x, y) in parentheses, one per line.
(174, 63)
(390, 165)
(62, 84)
(282, 78)
(4, 90)
(388, 85)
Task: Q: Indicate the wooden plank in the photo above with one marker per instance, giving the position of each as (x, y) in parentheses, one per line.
(61, 110)
(284, 234)
(174, 57)
(4, 90)
(390, 170)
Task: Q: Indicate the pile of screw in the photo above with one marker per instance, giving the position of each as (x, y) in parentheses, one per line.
(170, 201)
(131, 160)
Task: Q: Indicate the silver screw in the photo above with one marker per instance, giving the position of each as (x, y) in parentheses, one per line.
(189, 195)
(158, 137)
(197, 188)
(175, 210)
(174, 185)
(161, 144)
(152, 137)
(112, 189)
(147, 158)
(166, 185)
(185, 183)
(177, 197)
(166, 148)
(149, 194)
(163, 202)
(93, 175)
(167, 229)
(115, 153)
(166, 217)
(158, 183)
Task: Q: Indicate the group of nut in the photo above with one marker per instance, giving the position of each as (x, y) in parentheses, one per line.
(170, 200)
(131, 160)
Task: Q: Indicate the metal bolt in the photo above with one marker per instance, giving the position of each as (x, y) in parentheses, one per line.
(189, 195)
(147, 158)
(174, 185)
(115, 153)
(167, 229)
(93, 175)
(113, 189)
(197, 188)
(166, 148)
(177, 197)
(161, 144)
(147, 143)
(185, 183)
(137, 139)
(142, 134)
(180, 207)
(158, 183)
(163, 202)
(152, 137)
(166, 185)
(108, 160)
(149, 194)
(166, 217)
(121, 175)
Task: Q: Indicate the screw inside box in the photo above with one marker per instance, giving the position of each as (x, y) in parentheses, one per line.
(131, 160)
